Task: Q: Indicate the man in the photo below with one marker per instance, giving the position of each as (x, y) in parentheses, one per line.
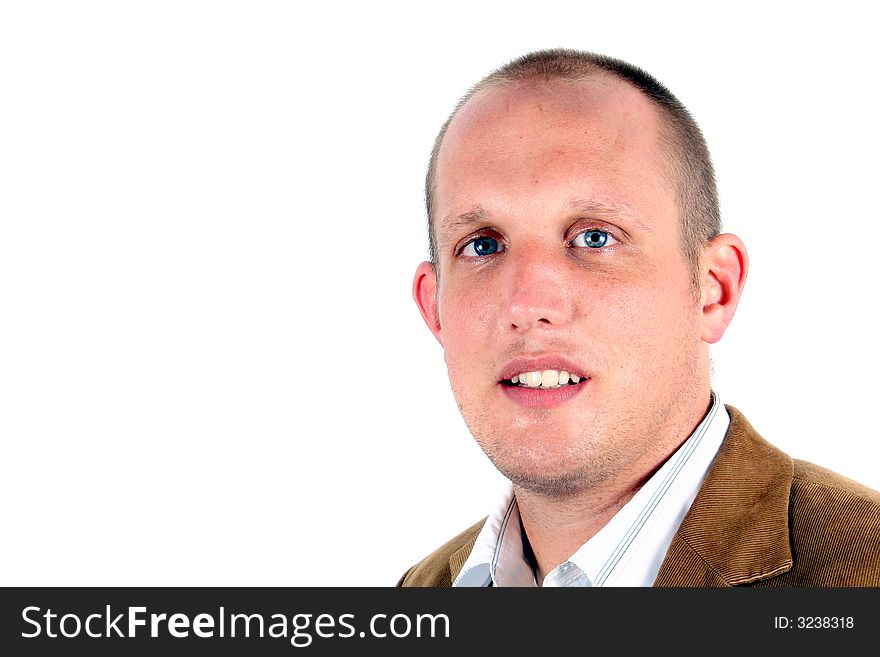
(578, 276)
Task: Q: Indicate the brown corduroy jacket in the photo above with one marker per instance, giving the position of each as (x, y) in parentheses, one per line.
(760, 519)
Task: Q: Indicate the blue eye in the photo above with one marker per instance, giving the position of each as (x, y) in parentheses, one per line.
(481, 246)
(594, 239)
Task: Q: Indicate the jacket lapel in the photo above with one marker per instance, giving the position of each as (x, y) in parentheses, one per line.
(736, 531)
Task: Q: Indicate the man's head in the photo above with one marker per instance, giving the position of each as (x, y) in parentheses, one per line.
(561, 245)
(686, 157)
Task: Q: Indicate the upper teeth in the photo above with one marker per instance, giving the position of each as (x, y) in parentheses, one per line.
(544, 379)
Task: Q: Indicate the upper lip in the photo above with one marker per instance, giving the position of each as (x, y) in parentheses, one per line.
(541, 363)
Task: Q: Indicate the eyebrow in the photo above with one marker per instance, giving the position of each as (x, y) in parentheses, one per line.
(451, 225)
(604, 210)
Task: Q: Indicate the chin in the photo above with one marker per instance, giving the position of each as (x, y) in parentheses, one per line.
(553, 472)
(554, 462)
(557, 485)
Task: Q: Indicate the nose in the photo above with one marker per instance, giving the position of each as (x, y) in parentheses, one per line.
(537, 296)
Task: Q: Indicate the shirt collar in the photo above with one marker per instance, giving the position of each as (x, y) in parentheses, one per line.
(629, 549)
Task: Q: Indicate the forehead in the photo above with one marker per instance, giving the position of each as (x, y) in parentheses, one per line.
(597, 138)
(585, 101)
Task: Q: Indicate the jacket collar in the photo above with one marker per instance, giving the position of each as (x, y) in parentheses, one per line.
(736, 531)
(456, 561)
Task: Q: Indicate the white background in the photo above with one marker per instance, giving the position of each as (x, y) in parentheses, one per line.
(211, 368)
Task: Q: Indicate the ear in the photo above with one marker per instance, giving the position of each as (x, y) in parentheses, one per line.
(424, 291)
(724, 269)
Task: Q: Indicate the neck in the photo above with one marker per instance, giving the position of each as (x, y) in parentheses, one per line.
(556, 527)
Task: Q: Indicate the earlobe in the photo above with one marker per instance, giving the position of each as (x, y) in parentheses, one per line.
(424, 292)
(725, 266)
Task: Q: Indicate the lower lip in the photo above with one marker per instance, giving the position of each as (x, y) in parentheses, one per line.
(537, 398)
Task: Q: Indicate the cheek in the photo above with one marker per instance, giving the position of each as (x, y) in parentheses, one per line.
(467, 321)
(637, 323)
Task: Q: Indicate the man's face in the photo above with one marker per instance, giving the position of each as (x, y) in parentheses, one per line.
(558, 250)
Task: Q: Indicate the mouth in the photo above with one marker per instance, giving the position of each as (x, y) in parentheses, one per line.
(542, 379)
(542, 383)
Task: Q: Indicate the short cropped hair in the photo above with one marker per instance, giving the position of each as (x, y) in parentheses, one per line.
(682, 143)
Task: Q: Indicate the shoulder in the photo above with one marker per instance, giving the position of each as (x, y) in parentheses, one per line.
(436, 570)
(824, 500)
(764, 518)
(824, 482)
(835, 529)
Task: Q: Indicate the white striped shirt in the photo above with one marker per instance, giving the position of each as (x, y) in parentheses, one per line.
(630, 548)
